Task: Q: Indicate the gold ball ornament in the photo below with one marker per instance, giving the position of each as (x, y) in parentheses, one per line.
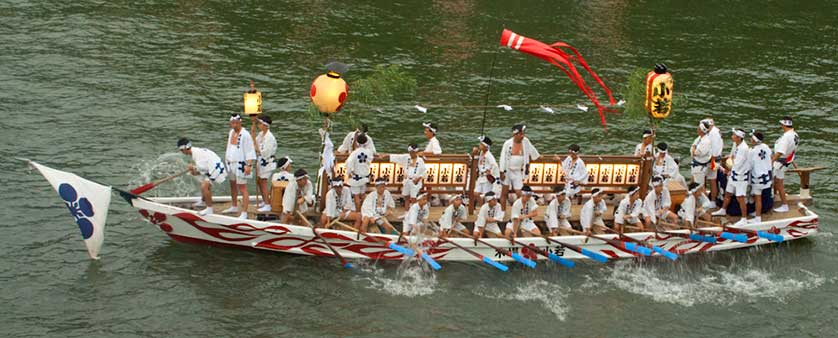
(328, 92)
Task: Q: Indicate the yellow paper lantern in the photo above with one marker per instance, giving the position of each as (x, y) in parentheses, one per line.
(253, 103)
(328, 92)
(659, 85)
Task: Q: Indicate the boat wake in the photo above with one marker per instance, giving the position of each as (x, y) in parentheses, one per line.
(409, 280)
(551, 295)
(165, 165)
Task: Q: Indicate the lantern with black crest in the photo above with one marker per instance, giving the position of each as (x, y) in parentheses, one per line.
(252, 101)
(659, 85)
(329, 91)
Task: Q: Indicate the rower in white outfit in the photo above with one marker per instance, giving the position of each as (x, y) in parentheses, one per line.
(590, 217)
(644, 148)
(240, 156)
(284, 167)
(358, 170)
(298, 196)
(666, 166)
(701, 153)
(433, 147)
(575, 171)
(416, 220)
(657, 202)
(524, 211)
(784, 153)
(350, 143)
(738, 177)
(515, 158)
(760, 157)
(265, 160)
(414, 171)
(452, 218)
(378, 205)
(690, 208)
(557, 216)
(209, 166)
(488, 217)
(487, 169)
(339, 206)
(628, 211)
(717, 146)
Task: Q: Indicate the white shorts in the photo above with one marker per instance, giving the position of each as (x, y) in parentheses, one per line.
(216, 179)
(491, 227)
(619, 219)
(237, 172)
(561, 223)
(458, 227)
(713, 174)
(572, 189)
(737, 188)
(409, 189)
(483, 187)
(266, 167)
(780, 170)
(527, 225)
(514, 179)
(756, 189)
(357, 189)
(699, 174)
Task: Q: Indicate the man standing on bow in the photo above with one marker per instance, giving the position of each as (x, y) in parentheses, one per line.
(515, 158)
(644, 149)
(717, 146)
(701, 151)
(784, 151)
(209, 166)
(240, 156)
(433, 147)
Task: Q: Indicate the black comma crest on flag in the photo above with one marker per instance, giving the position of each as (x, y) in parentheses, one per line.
(80, 208)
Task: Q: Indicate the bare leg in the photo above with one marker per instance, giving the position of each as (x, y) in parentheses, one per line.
(758, 205)
(743, 206)
(714, 189)
(780, 188)
(234, 193)
(726, 201)
(263, 186)
(206, 193)
(245, 196)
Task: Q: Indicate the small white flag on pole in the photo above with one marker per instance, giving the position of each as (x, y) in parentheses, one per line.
(328, 155)
(88, 203)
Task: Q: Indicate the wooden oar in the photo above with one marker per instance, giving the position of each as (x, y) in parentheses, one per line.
(148, 186)
(590, 254)
(404, 251)
(624, 245)
(485, 259)
(314, 230)
(520, 259)
(741, 238)
(691, 236)
(661, 251)
(553, 257)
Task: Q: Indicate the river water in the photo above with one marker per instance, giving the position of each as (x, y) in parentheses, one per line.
(104, 88)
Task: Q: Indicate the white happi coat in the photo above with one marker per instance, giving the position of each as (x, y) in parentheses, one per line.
(486, 163)
(415, 216)
(283, 175)
(294, 191)
(528, 152)
(451, 216)
(741, 163)
(575, 174)
(654, 205)
(787, 146)
(640, 151)
(558, 213)
(703, 151)
(413, 170)
(237, 155)
(338, 202)
(208, 163)
(591, 213)
(376, 206)
(433, 146)
(628, 212)
(358, 166)
(688, 209)
(348, 144)
(267, 149)
(760, 157)
(717, 143)
(486, 212)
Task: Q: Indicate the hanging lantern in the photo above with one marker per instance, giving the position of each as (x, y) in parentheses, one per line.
(659, 85)
(253, 103)
(329, 91)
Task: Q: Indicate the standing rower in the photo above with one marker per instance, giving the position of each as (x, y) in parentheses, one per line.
(738, 177)
(591, 213)
(701, 153)
(433, 147)
(266, 143)
(760, 157)
(524, 210)
(284, 166)
(452, 218)
(414, 170)
(628, 212)
(644, 148)
(717, 146)
(350, 141)
(557, 216)
(488, 217)
(298, 196)
(690, 208)
(575, 172)
(208, 165)
(515, 157)
(487, 169)
(657, 203)
(378, 205)
(339, 205)
(240, 155)
(784, 151)
(358, 170)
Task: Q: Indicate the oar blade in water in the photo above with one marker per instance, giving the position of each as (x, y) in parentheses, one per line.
(431, 261)
(595, 256)
(563, 261)
(497, 265)
(523, 260)
(666, 253)
(404, 251)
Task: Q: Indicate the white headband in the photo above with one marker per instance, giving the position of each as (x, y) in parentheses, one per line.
(263, 122)
(236, 117)
(656, 183)
(301, 177)
(489, 198)
(738, 132)
(645, 134)
(526, 192)
(596, 193)
(428, 125)
(481, 139)
(633, 191)
(412, 148)
(185, 146)
(286, 163)
(523, 128)
(786, 123)
(337, 183)
(703, 128)
(421, 195)
(377, 182)
(709, 121)
(694, 190)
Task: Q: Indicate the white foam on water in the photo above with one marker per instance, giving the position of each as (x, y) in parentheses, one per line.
(721, 287)
(409, 280)
(163, 166)
(552, 296)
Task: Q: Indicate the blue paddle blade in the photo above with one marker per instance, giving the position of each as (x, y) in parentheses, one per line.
(709, 239)
(497, 265)
(563, 261)
(348, 265)
(742, 238)
(595, 256)
(665, 253)
(770, 236)
(526, 261)
(630, 246)
(405, 251)
(431, 261)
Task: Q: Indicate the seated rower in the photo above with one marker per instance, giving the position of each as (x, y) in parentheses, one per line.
(414, 170)
(487, 169)
(450, 222)
(628, 212)
(265, 160)
(298, 196)
(339, 205)
(416, 220)
(590, 217)
(575, 171)
(657, 203)
(488, 217)
(557, 216)
(284, 166)
(666, 166)
(350, 143)
(207, 164)
(690, 208)
(377, 206)
(358, 170)
(523, 211)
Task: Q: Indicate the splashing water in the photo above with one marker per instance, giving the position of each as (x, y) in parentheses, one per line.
(551, 295)
(163, 166)
(409, 280)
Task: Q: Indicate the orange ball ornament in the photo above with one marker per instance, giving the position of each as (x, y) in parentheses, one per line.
(328, 92)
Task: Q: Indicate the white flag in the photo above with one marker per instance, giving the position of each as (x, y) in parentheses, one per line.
(328, 155)
(88, 203)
